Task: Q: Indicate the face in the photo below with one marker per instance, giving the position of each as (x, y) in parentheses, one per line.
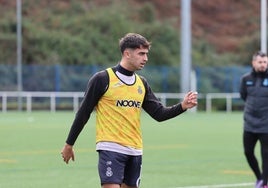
(260, 64)
(137, 58)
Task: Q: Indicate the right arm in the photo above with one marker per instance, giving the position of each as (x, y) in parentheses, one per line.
(242, 89)
(96, 87)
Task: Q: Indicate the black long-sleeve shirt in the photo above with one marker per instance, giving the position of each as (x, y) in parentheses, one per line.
(98, 85)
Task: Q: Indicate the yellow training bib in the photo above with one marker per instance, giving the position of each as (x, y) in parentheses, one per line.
(118, 112)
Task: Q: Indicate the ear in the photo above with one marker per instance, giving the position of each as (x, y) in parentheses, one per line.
(126, 53)
(253, 62)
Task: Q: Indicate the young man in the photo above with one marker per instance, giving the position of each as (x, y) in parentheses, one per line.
(254, 91)
(118, 94)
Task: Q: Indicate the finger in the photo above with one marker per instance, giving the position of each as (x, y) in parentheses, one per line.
(189, 93)
(72, 157)
(193, 95)
(194, 102)
(66, 160)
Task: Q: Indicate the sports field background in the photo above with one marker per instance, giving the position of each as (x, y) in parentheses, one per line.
(194, 149)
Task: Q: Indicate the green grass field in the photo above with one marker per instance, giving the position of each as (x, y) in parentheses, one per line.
(192, 150)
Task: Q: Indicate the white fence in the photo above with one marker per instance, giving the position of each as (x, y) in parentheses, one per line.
(30, 95)
(27, 98)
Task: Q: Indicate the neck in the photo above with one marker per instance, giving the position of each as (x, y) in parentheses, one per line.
(124, 71)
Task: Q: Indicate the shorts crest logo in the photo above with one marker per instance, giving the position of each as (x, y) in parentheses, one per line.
(109, 172)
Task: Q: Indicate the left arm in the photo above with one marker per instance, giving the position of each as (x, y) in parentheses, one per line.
(157, 111)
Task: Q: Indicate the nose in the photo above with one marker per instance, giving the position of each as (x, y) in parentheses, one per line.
(145, 57)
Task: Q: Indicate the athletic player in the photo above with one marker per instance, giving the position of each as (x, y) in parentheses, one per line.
(254, 91)
(118, 94)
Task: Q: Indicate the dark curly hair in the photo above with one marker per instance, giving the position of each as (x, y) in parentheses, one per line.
(133, 41)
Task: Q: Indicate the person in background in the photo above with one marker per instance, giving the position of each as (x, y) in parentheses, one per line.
(254, 91)
(118, 94)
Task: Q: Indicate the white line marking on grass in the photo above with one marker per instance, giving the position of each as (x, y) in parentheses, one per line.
(220, 185)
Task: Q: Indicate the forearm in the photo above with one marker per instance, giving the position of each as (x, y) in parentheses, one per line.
(161, 113)
(165, 113)
(75, 130)
(81, 118)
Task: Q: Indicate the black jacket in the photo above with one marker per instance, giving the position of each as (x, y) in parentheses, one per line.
(254, 91)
